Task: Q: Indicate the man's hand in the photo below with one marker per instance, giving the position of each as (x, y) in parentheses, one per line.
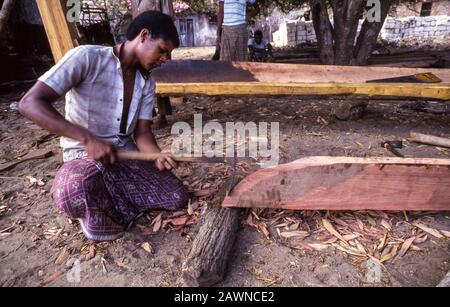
(100, 151)
(165, 163)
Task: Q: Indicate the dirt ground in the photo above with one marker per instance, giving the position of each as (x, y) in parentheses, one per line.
(36, 241)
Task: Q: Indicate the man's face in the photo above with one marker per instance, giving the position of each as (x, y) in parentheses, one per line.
(153, 52)
(258, 38)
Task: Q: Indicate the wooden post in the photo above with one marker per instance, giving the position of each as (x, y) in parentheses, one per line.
(61, 34)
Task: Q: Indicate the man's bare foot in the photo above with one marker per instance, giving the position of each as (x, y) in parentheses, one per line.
(160, 122)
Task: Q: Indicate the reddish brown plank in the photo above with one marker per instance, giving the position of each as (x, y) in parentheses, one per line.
(346, 183)
(191, 71)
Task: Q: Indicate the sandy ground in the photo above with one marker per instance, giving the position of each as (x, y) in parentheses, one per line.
(36, 242)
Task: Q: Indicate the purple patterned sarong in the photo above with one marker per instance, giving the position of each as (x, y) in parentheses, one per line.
(107, 200)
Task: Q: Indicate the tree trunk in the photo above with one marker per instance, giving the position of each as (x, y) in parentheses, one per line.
(324, 30)
(5, 12)
(346, 16)
(140, 6)
(207, 261)
(368, 36)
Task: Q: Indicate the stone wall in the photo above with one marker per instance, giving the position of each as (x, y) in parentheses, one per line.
(409, 30)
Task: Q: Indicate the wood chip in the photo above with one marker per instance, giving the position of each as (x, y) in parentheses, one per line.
(429, 230)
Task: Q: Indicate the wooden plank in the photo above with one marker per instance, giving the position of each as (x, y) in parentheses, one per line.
(355, 90)
(192, 71)
(346, 183)
(61, 34)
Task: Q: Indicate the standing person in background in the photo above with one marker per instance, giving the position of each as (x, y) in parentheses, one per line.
(232, 28)
(166, 7)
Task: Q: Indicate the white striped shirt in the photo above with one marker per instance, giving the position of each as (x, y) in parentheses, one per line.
(92, 79)
(235, 11)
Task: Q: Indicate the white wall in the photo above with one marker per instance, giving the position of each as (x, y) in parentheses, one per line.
(414, 29)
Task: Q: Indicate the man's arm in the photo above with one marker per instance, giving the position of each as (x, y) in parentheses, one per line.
(37, 106)
(146, 142)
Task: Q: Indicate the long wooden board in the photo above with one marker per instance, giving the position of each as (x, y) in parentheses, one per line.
(346, 183)
(334, 90)
(193, 71)
(213, 78)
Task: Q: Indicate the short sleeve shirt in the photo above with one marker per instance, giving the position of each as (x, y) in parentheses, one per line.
(91, 79)
(235, 11)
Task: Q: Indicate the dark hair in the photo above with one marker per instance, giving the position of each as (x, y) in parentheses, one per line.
(258, 32)
(160, 26)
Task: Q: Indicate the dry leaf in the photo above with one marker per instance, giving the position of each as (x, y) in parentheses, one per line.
(263, 228)
(351, 237)
(382, 243)
(52, 278)
(429, 230)
(390, 255)
(190, 209)
(179, 221)
(386, 225)
(91, 253)
(350, 250)
(446, 233)
(331, 230)
(330, 241)
(63, 256)
(318, 246)
(291, 234)
(147, 247)
(419, 240)
(405, 246)
(157, 222)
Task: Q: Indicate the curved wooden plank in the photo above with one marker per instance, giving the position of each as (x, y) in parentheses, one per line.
(346, 183)
(360, 90)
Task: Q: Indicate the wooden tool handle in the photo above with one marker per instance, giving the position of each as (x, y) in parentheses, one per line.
(143, 156)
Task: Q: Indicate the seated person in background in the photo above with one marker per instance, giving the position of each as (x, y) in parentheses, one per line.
(259, 48)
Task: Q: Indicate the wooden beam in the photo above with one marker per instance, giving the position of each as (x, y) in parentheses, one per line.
(191, 71)
(61, 34)
(346, 183)
(352, 90)
(216, 78)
